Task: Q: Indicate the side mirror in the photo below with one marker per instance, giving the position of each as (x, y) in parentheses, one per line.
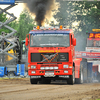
(26, 41)
(74, 41)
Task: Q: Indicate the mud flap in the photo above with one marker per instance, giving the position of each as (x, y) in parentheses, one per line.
(89, 72)
(84, 65)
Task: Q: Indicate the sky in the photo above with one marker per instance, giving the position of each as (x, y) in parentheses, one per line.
(16, 10)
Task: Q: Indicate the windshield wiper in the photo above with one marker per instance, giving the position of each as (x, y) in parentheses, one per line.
(38, 46)
(49, 46)
(50, 57)
(62, 45)
(34, 45)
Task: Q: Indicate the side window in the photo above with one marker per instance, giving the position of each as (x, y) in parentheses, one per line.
(71, 40)
(31, 40)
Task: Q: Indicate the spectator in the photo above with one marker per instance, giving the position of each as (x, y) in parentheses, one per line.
(94, 43)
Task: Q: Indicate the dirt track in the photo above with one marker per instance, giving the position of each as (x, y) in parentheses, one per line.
(21, 89)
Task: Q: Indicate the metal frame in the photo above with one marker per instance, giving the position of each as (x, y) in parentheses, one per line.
(7, 1)
(10, 2)
(4, 37)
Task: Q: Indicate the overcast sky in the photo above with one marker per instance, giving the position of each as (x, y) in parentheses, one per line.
(16, 10)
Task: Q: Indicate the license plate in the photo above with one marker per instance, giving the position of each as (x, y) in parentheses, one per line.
(49, 73)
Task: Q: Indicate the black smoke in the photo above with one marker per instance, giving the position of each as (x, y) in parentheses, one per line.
(40, 8)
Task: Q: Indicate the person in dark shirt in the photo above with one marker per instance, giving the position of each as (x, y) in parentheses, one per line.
(95, 43)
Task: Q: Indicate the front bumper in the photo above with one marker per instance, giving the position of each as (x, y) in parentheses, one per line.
(44, 72)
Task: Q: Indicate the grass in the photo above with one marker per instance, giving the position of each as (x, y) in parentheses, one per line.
(4, 78)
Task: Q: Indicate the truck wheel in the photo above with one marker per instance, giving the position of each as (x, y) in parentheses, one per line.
(83, 63)
(45, 81)
(98, 77)
(11, 74)
(33, 81)
(80, 79)
(71, 79)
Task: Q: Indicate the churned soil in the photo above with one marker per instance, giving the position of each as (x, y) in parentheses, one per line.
(21, 89)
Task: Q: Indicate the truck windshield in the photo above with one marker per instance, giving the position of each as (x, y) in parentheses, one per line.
(49, 41)
(93, 43)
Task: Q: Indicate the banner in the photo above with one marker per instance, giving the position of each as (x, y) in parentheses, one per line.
(82, 54)
(91, 49)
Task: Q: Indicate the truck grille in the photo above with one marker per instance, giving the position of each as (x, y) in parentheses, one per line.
(49, 57)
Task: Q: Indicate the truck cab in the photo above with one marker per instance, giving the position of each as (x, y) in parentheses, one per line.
(51, 53)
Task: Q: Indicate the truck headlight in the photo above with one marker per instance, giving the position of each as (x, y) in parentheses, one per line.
(55, 67)
(46, 68)
(33, 72)
(33, 67)
(65, 66)
(42, 68)
(65, 71)
(51, 68)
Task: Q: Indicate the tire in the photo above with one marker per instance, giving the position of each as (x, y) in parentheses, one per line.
(80, 79)
(71, 79)
(33, 81)
(98, 77)
(85, 73)
(11, 74)
(45, 81)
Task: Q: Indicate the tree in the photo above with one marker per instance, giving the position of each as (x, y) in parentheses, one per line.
(86, 14)
(3, 19)
(24, 24)
(65, 13)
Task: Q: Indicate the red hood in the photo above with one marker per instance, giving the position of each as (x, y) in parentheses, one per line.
(49, 49)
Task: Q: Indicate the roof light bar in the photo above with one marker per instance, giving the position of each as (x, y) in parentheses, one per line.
(47, 28)
(64, 27)
(61, 27)
(51, 28)
(38, 27)
(41, 28)
(56, 27)
(34, 28)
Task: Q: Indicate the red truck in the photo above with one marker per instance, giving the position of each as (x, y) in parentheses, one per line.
(91, 55)
(51, 55)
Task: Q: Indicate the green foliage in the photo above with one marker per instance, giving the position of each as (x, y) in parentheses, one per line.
(3, 19)
(23, 25)
(85, 13)
(89, 15)
(64, 13)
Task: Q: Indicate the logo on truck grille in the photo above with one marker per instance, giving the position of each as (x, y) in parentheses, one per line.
(51, 57)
